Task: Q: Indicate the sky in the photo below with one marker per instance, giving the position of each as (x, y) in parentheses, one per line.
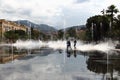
(57, 13)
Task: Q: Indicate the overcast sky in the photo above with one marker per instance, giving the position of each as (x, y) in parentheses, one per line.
(54, 12)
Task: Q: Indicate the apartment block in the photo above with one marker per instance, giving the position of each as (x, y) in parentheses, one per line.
(6, 25)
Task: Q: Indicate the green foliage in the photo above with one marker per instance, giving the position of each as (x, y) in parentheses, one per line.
(71, 32)
(100, 27)
(112, 10)
(21, 34)
(35, 34)
(116, 28)
(43, 36)
(60, 34)
(82, 35)
(88, 35)
(15, 34)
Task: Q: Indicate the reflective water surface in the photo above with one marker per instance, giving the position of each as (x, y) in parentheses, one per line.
(49, 64)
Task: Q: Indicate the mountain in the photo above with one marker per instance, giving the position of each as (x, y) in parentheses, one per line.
(46, 28)
(42, 27)
(76, 27)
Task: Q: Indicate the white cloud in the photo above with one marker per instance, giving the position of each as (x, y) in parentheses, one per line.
(53, 12)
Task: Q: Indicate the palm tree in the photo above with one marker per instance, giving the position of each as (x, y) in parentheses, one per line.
(103, 12)
(111, 11)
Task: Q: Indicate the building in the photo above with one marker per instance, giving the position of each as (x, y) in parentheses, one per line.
(6, 25)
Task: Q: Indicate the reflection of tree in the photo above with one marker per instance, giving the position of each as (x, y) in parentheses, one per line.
(99, 64)
(96, 67)
(95, 63)
(116, 62)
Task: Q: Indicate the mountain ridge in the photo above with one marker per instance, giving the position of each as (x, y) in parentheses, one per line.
(41, 27)
(78, 27)
(46, 28)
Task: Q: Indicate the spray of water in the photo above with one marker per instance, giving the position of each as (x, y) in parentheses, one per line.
(57, 44)
(104, 47)
(48, 67)
(29, 44)
(32, 44)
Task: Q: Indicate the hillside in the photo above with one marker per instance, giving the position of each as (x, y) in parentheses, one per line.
(42, 27)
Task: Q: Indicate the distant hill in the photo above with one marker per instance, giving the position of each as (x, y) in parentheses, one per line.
(42, 27)
(46, 28)
(76, 27)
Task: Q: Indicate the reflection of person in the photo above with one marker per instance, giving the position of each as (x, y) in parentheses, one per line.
(60, 51)
(68, 53)
(75, 43)
(75, 55)
(68, 44)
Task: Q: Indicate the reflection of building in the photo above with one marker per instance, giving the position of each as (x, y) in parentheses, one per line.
(9, 25)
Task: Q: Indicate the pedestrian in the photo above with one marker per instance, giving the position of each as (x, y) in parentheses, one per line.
(75, 44)
(68, 44)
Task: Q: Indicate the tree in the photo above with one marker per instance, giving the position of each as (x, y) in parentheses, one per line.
(82, 35)
(35, 34)
(100, 27)
(116, 29)
(71, 32)
(60, 34)
(10, 35)
(15, 34)
(111, 11)
(21, 34)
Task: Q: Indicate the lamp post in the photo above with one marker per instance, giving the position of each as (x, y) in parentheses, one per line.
(64, 23)
(101, 36)
(110, 27)
(29, 30)
(92, 31)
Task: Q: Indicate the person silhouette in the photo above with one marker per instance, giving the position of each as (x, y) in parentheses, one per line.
(75, 44)
(68, 44)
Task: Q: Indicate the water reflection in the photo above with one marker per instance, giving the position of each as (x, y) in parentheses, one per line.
(110, 68)
(99, 63)
(71, 52)
(105, 64)
(8, 54)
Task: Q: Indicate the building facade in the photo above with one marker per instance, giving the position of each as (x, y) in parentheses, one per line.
(6, 25)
